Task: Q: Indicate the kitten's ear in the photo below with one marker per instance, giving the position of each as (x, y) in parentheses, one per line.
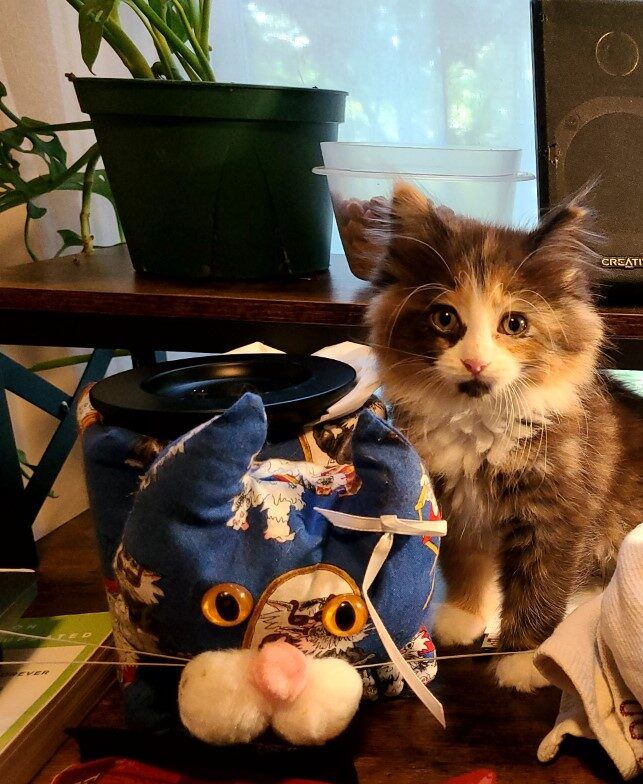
(410, 227)
(565, 237)
(569, 223)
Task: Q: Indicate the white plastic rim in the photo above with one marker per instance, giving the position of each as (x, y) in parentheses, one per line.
(384, 175)
(421, 159)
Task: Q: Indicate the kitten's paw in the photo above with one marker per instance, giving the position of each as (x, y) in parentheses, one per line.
(455, 626)
(518, 671)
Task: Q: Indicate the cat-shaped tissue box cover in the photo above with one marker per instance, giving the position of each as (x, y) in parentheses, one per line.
(218, 541)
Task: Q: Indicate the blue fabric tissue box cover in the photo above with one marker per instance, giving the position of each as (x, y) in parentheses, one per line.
(220, 505)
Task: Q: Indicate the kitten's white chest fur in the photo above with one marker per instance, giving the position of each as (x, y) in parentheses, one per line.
(458, 441)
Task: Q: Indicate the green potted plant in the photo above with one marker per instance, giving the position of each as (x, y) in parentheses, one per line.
(209, 179)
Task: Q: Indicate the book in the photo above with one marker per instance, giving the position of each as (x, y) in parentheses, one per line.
(17, 591)
(47, 689)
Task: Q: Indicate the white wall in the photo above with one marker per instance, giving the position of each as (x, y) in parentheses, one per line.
(38, 45)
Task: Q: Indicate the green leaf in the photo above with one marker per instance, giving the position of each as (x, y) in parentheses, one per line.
(91, 23)
(71, 239)
(101, 185)
(166, 10)
(34, 211)
(159, 6)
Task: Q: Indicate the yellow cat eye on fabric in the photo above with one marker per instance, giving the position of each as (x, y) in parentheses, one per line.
(344, 615)
(444, 319)
(227, 604)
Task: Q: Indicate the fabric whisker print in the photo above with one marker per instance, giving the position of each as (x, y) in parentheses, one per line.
(220, 547)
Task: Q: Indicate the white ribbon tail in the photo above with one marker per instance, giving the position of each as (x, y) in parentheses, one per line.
(377, 559)
(388, 525)
(384, 524)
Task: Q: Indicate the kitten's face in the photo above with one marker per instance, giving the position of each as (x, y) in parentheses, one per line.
(477, 312)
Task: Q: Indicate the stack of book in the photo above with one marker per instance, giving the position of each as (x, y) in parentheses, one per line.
(17, 591)
(48, 685)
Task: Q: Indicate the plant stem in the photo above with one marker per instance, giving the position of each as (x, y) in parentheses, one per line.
(25, 237)
(172, 38)
(122, 44)
(46, 183)
(165, 56)
(45, 128)
(160, 44)
(192, 74)
(204, 60)
(206, 10)
(88, 184)
(75, 359)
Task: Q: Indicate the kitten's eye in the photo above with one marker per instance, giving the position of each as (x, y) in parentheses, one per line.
(227, 604)
(513, 324)
(344, 615)
(444, 319)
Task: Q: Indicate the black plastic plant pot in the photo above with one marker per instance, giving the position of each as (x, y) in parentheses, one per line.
(214, 180)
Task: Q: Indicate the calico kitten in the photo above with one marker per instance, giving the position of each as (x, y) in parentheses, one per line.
(488, 342)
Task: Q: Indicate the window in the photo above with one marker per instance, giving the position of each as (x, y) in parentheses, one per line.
(436, 72)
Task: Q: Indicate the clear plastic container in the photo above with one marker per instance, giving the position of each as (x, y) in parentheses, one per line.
(487, 198)
(454, 161)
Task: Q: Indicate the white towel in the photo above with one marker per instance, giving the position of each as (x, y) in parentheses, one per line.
(595, 657)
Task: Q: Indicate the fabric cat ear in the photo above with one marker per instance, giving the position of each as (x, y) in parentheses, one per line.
(413, 230)
(202, 471)
(389, 469)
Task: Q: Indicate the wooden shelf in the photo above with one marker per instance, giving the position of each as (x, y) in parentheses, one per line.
(99, 300)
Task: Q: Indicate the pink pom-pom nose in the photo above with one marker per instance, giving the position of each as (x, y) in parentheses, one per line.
(279, 672)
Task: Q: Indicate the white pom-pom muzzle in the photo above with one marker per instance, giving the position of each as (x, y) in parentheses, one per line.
(233, 696)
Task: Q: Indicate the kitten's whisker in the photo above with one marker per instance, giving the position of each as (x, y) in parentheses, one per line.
(398, 350)
(553, 312)
(524, 459)
(526, 302)
(398, 311)
(426, 244)
(527, 257)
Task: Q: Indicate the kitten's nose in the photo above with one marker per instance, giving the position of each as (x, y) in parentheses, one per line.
(474, 366)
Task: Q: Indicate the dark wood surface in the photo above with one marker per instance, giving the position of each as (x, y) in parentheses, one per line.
(106, 283)
(99, 300)
(398, 742)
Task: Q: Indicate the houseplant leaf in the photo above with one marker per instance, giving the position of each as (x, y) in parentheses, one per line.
(71, 239)
(165, 9)
(91, 23)
(100, 186)
(34, 211)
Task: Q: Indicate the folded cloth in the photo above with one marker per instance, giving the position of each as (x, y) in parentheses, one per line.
(621, 624)
(595, 657)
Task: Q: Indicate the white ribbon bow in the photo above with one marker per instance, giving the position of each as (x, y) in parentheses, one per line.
(388, 525)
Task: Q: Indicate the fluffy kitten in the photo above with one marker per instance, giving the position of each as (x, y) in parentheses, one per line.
(488, 341)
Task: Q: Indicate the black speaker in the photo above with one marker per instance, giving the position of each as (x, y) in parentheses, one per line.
(588, 77)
